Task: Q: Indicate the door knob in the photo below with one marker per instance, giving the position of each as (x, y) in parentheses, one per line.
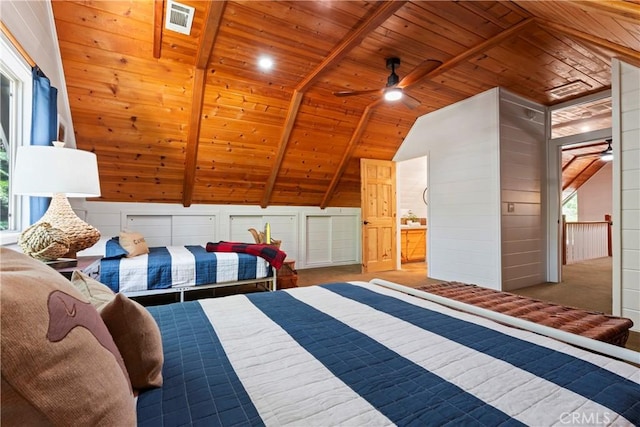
(366, 222)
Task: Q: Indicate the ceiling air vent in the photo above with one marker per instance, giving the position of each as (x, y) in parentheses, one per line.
(179, 17)
(570, 89)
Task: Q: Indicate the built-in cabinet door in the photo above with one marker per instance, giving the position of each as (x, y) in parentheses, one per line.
(413, 245)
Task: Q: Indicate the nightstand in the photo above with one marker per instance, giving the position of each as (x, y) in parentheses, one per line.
(89, 265)
(287, 276)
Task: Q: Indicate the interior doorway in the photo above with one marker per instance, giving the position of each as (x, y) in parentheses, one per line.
(412, 202)
(581, 136)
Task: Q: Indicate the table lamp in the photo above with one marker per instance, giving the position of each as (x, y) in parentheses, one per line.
(58, 172)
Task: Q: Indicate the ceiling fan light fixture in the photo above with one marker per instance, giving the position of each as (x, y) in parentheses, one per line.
(607, 155)
(393, 94)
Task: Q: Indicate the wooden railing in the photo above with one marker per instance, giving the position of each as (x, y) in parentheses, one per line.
(586, 240)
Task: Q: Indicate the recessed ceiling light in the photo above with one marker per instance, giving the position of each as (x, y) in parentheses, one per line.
(265, 63)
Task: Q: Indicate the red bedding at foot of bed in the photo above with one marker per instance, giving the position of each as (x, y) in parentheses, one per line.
(590, 324)
(274, 256)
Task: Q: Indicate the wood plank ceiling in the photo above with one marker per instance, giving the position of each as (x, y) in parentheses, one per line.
(191, 119)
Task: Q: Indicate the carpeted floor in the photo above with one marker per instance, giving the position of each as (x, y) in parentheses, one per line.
(584, 285)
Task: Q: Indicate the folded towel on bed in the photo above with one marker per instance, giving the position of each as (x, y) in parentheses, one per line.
(274, 256)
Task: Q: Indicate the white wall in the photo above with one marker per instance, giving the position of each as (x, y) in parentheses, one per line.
(626, 194)
(461, 142)
(595, 196)
(411, 181)
(33, 26)
(522, 160)
(312, 237)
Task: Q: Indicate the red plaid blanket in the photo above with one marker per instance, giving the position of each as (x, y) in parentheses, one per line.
(274, 256)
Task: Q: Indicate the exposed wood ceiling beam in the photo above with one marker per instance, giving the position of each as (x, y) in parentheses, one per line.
(471, 6)
(346, 157)
(481, 47)
(205, 46)
(158, 15)
(377, 18)
(210, 32)
(614, 9)
(599, 42)
(191, 155)
(438, 70)
(292, 111)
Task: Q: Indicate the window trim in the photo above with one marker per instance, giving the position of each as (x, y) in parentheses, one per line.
(16, 67)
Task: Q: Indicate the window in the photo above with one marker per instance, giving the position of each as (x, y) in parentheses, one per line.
(15, 120)
(570, 208)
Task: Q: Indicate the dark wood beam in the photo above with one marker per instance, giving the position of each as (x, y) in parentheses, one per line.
(210, 32)
(625, 10)
(191, 155)
(377, 18)
(289, 121)
(594, 40)
(158, 16)
(205, 47)
(480, 47)
(346, 157)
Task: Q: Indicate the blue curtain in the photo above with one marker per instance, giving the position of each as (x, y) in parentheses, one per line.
(44, 128)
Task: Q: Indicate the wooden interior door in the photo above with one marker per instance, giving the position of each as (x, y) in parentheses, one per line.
(378, 204)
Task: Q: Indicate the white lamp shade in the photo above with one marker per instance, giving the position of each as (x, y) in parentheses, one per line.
(45, 171)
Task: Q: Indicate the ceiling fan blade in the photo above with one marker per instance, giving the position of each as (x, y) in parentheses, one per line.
(418, 73)
(356, 92)
(410, 101)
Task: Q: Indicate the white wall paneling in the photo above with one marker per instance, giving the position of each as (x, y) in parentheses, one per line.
(485, 179)
(626, 191)
(283, 228)
(318, 236)
(332, 239)
(156, 229)
(522, 160)
(192, 229)
(464, 192)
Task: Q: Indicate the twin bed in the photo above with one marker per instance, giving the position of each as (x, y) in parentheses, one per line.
(364, 354)
(178, 269)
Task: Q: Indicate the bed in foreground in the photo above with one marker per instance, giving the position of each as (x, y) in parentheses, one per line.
(362, 354)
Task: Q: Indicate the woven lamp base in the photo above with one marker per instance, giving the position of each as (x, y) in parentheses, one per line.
(80, 234)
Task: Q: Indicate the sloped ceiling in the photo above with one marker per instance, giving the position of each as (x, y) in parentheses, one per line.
(191, 119)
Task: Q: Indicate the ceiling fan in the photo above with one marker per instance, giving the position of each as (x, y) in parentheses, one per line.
(393, 91)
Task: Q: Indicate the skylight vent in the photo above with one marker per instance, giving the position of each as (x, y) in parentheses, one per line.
(179, 17)
(570, 89)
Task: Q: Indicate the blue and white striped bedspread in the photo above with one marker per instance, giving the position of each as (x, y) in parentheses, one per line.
(361, 355)
(179, 266)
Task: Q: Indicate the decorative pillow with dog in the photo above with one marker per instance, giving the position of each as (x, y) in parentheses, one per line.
(60, 365)
(133, 243)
